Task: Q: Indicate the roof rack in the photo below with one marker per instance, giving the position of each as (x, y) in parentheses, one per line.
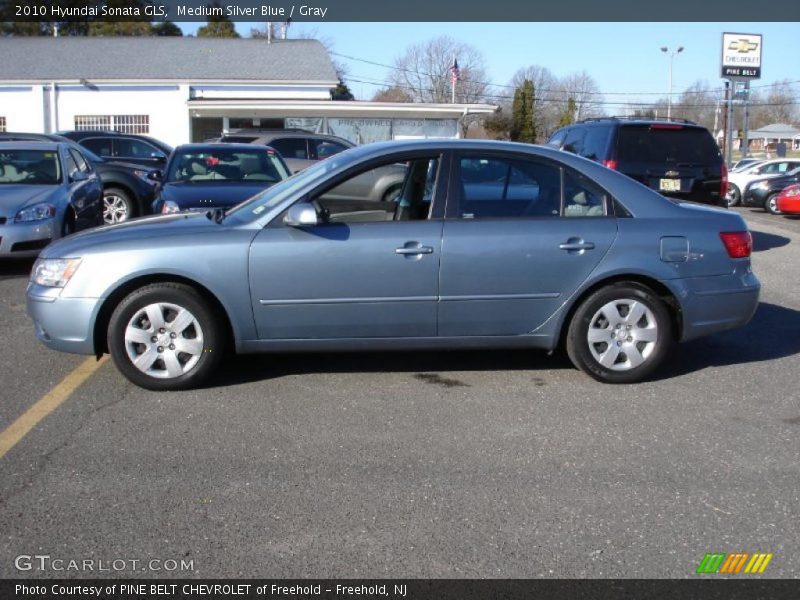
(633, 118)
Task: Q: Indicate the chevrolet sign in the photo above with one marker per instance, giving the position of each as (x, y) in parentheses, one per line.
(741, 55)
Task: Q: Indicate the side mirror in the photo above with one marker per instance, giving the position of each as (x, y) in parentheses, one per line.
(77, 175)
(160, 158)
(156, 175)
(302, 214)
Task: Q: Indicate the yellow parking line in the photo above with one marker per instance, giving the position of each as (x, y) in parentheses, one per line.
(48, 403)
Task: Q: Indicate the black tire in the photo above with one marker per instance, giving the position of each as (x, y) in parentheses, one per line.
(204, 357)
(771, 204)
(582, 353)
(115, 201)
(734, 195)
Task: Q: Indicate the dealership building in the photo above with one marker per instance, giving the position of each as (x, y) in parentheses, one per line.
(191, 89)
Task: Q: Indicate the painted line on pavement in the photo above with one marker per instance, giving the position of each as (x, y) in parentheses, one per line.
(48, 403)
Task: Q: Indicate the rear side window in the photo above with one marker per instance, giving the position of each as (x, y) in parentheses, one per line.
(595, 142)
(291, 147)
(100, 146)
(574, 140)
(666, 144)
(507, 188)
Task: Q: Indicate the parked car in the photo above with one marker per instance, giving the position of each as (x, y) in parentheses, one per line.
(137, 149)
(210, 176)
(744, 163)
(764, 192)
(739, 180)
(563, 250)
(676, 157)
(299, 148)
(789, 200)
(127, 189)
(47, 191)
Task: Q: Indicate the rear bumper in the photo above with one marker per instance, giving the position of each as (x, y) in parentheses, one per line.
(64, 324)
(714, 304)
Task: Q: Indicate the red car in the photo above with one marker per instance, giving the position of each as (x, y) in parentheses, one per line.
(789, 200)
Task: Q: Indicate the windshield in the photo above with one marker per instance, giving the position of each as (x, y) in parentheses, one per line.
(30, 167)
(221, 165)
(252, 208)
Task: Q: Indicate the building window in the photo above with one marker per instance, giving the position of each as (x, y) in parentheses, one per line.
(2, 124)
(136, 124)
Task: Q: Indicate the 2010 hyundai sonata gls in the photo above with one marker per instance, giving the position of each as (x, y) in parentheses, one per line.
(489, 244)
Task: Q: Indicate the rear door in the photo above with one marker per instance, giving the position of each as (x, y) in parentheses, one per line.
(522, 235)
(677, 160)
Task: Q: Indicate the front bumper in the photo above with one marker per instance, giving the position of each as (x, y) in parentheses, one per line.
(714, 304)
(26, 239)
(64, 324)
(755, 197)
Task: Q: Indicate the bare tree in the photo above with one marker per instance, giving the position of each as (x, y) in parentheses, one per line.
(424, 71)
(392, 94)
(583, 90)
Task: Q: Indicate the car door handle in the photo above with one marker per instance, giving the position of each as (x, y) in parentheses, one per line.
(575, 245)
(414, 250)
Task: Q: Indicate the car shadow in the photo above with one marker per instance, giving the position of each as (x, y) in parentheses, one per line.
(767, 241)
(15, 268)
(774, 332)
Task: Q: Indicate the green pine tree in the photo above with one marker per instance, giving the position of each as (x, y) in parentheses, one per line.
(218, 27)
(568, 116)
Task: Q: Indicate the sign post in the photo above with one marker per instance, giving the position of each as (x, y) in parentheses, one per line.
(741, 63)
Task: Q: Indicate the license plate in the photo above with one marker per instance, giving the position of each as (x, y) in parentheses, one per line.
(669, 185)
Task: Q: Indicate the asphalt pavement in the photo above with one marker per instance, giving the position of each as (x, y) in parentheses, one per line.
(448, 464)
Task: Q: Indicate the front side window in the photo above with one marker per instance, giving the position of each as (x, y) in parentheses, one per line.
(34, 167)
(508, 188)
(79, 160)
(126, 147)
(397, 191)
(100, 146)
(322, 149)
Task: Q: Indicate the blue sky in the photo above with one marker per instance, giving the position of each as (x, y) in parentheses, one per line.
(622, 57)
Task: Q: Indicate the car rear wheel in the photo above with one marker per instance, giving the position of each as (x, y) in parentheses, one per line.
(117, 206)
(620, 334)
(771, 204)
(164, 337)
(734, 195)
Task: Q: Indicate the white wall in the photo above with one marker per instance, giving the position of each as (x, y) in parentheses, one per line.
(23, 107)
(165, 105)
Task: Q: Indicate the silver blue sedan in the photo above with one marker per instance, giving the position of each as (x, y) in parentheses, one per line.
(487, 245)
(47, 190)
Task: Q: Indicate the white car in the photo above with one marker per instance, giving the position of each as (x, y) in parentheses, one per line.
(738, 180)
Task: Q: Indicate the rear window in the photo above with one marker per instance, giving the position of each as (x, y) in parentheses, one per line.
(238, 139)
(666, 145)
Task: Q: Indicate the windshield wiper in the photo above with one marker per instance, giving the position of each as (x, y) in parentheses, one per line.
(217, 215)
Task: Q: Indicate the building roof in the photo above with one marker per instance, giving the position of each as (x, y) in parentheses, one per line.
(166, 58)
(776, 130)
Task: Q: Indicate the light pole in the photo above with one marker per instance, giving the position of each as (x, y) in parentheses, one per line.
(671, 54)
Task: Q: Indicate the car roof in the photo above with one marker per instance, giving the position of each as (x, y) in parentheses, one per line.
(31, 145)
(217, 146)
(273, 133)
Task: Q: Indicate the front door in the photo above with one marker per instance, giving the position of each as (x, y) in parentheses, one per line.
(369, 269)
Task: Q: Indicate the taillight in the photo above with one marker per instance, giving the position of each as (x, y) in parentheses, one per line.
(723, 184)
(739, 244)
(611, 164)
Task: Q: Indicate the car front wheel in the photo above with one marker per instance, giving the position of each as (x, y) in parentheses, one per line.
(164, 337)
(771, 204)
(734, 196)
(117, 206)
(620, 334)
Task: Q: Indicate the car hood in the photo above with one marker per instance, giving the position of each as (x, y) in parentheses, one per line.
(143, 232)
(14, 197)
(210, 195)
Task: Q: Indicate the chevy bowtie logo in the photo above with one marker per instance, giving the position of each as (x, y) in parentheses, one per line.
(743, 46)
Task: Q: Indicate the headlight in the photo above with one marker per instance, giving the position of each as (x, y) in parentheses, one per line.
(762, 185)
(792, 193)
(37, 212)
(143, 175)
(169, 207)
(54, 272)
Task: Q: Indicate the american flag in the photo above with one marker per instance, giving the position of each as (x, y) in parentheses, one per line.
(455, 72)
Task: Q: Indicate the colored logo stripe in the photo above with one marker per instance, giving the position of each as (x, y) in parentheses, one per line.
(731, 564)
